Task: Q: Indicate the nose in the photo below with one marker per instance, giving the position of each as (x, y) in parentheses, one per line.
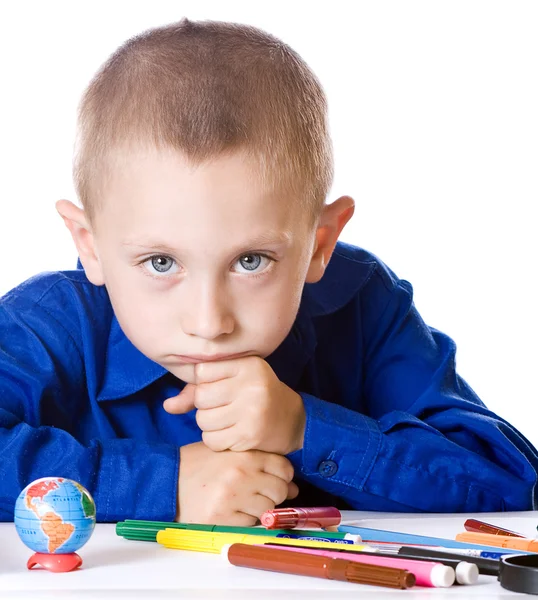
(208, 313)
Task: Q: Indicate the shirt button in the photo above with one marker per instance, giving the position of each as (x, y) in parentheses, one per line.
(327, 468)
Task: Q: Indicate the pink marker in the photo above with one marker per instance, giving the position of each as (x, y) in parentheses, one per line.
(428, 574)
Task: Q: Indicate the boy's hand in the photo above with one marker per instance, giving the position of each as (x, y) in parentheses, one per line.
(231, 488)
(242, 405)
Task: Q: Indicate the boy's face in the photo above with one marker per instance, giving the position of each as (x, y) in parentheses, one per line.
(201, 261)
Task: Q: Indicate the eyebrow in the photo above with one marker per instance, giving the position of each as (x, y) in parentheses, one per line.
(266, 238)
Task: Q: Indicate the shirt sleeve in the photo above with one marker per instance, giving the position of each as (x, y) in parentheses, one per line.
(42, 373)
(428, 442)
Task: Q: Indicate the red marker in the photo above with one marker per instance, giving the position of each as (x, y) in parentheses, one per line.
(288, 518)
(482, 527)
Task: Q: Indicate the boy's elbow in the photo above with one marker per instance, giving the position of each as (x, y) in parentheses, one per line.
(525, 499)
(519, 495)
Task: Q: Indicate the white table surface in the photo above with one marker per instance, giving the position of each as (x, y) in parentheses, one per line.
(116, 568)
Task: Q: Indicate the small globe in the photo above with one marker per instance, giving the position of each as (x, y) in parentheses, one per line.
(54, 515)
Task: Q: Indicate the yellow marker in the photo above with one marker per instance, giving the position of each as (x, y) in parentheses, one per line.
(211, 541)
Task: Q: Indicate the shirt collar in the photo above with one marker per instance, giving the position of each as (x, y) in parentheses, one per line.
(127, 370)
(348, 271)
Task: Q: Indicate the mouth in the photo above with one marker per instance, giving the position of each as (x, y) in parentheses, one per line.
(193, 359)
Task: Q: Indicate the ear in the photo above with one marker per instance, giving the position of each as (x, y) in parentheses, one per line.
(75, 220)
(332, 221)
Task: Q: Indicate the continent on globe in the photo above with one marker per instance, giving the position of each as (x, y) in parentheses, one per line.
(88, 505)
(56, 530)
(38, 491)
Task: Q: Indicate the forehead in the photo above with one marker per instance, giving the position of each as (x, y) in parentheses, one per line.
(161, 193)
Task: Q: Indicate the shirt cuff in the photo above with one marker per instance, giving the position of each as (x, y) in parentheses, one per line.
(137, 481)
(340, 446)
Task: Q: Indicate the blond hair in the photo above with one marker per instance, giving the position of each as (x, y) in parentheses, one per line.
(205, 89)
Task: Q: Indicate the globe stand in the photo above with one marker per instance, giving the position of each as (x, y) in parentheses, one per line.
(57, 563)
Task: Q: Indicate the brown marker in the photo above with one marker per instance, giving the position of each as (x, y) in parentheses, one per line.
(297, 563)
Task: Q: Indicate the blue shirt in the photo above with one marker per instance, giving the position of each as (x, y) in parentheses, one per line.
(389, 424)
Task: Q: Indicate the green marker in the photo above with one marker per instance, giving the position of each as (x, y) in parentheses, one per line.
(146, 531)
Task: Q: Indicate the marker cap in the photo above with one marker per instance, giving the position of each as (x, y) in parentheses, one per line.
(292, 517)
(466, 573)
(442, 576)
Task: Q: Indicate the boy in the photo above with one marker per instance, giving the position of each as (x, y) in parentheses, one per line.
(218, 352)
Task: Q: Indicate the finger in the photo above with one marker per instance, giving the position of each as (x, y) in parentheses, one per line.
(237, 518)
(293, 491)
(256, 505)
(274, 464)
(211, 395)
(216, 370)
(183, 371)
(273, 487)
(220, 440)
(183, 402)
(215, 419)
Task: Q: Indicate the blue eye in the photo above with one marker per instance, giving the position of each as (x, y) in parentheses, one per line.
(159, 264)
(250, 262)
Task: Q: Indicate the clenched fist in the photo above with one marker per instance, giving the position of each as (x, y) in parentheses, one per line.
(231, 488)
(242, 405)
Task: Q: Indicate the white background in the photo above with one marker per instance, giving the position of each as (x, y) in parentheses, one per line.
(433, 110)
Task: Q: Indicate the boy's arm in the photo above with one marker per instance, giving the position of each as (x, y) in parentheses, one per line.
(429, 444)
(42, 388)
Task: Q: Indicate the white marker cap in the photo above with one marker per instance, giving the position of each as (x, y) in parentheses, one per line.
(355, 538)
(466, 572)
(442, 576)
(224, 552)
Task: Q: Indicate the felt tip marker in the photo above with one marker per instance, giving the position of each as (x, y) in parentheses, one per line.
(481, 527)
(289, 518)
(132, 529)
(462, 552)
(503, 541)
(485, 566)
(352, 539)
(210, 541)
(282, 561)
(427, 574)
(408, 539)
